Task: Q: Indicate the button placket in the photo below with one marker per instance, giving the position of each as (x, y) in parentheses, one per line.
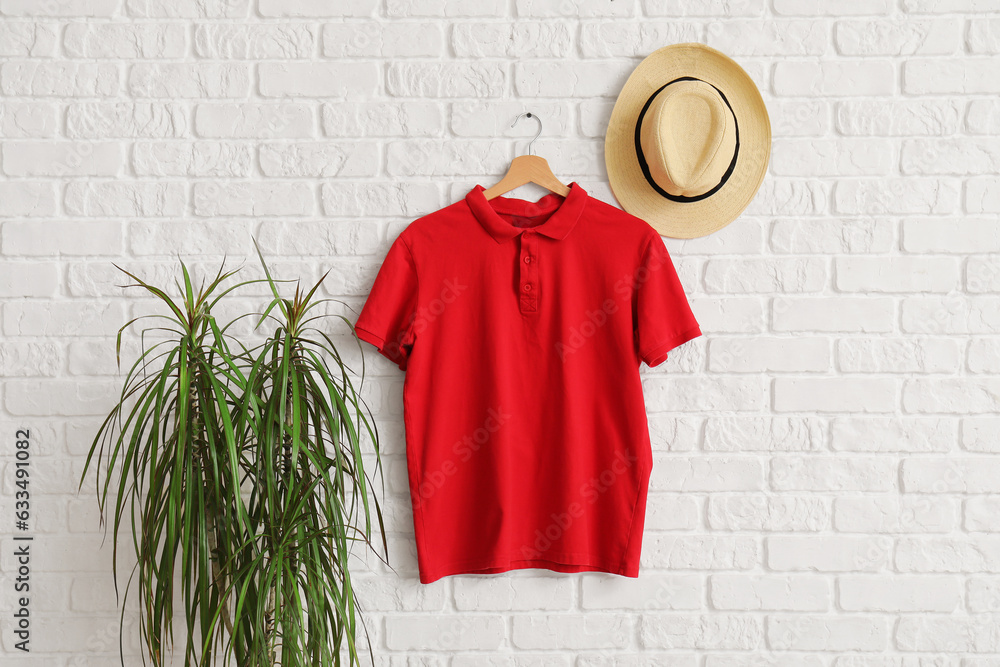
(528, 280)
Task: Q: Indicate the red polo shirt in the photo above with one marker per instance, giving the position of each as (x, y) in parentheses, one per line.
(521, 327)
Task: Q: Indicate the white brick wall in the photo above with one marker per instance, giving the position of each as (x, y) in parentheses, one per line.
(826, 489)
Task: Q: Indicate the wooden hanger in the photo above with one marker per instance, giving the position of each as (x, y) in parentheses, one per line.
(528, 169)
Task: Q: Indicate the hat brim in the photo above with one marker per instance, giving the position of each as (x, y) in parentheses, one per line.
(629, 185)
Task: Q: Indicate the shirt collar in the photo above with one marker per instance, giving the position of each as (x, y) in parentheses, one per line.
(566, 211)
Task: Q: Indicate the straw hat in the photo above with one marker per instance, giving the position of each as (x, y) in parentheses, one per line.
(688, 141)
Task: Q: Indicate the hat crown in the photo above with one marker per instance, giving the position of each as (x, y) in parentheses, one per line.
(688, 137)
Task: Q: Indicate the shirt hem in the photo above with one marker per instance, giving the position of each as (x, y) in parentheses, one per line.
(566, 564)
(380, 345)
(658, 354)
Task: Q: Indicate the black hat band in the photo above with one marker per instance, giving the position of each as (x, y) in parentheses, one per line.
(642, 159)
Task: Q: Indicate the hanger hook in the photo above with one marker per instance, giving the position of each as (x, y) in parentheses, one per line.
(529, 115)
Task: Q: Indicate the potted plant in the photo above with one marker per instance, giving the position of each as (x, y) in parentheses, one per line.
(242, 472)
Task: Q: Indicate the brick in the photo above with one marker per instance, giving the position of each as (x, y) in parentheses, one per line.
(580, 9)
(729, 314)
(962, 236)
(189, 238)
(27, 119)
(674, 8)
(955, 634)
(28, 397)
(32, 199)
(832, 236)
(544, 78)
(950, 76)
(58, 79)
(893, 118)
(832, 78)
(254, 199)
(984, 355)
(836, 553)
(253, 121)
(982, 513)
(703, 632)
(448, 8)
(435, 157)
(125, 41)
(320, 238)
(125, 199)
(897, 37)
(767, 513)
(575, 631)
(104, 120)
(400, 199)
(700, 552)
(834, 394)
(698, 394)
(784, 197)
(188, 80)
(614, 39)
(521, 40)
(317, 8)
(896, 274)
(188, 9)
(756, 275)
(432, 633)
(673, 433)
(983, 117)
(324, 159)
(64, 158)
(955, 475)
(62, 318)
(756, 355)
(254, 42)
(353, 40)
(826, 473)
(827, 633)
(74, 8)
(841, 157)
(447, 79)
(29, 279)
(978, 553)
(28, 359)
(23, 39)
(820, 8)
(341, 79)
(202, 158)
(370, 119)
(752, 433)
(898, 593)
(799, 118)
(744, 592)
(983, 594)
(715, 473)
(666, 511)
(768, 38)
(506, 594)
(981, 434)
(961, 396)
(896, 196)
(892, 434)
(833, 313)
(653, 592)
(946, 6)
(894, 514)
(982, 274)
(982, 195)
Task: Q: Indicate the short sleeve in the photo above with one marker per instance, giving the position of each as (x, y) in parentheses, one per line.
(662, 315)
(386, 319)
